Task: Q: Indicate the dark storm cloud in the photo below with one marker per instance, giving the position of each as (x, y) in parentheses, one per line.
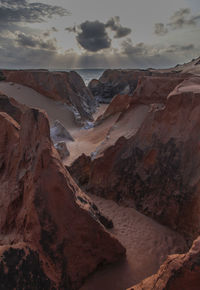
(92, 36)
(35, 42)
(114, 24)
(180, 19)
(160, 29)
(22, 11)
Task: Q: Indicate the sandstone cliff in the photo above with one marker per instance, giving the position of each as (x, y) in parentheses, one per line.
(159, 165)
(65, 87)
(50, 237)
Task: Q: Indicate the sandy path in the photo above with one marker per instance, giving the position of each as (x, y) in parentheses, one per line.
(147, 242)
(29, 97)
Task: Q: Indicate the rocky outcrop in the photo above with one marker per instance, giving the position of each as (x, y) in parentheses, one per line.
(59, 133)
(155, 89)
(61, 147)
(177, 272)
(124, 82)
(159, 166)
(118, 104)
(50, 234)
(11, 107)
(65, 87)
(114, 82)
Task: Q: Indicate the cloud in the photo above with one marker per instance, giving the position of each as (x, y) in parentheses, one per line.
(160, 29)
(35, 41)
(54, 29)
(71, 29)
(114, 24)
(179, 48)
(180, 19)
(129, 49)
(92, 36)
(140, 55)
(21, 11)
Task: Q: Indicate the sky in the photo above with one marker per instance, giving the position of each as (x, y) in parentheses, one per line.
(98, 34)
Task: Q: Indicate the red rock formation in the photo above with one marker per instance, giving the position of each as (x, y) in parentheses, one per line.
(177, 272)
(49, 239)
(118, 104)
(154, 89)
(159, 167)
(117, 81)
(66, 87)
(11, 107)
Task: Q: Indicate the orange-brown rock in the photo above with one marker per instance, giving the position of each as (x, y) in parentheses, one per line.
(159, 166)
(155, 89)
(50, 237)
(11, 107)
(118, 81)
(177, 272)
(118, 104)
(66, 87)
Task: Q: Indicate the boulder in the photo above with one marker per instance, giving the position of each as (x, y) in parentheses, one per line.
(49, 239)
(61, 147)
(59, 133)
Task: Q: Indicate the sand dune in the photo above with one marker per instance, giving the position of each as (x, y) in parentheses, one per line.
(29, 97)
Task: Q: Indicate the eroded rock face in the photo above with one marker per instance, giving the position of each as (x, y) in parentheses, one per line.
(177, 272)
(49, 236)
(11, 107)
(66, 87)
(158, 167)
(155, 89)
(114, 82)
(124, 82)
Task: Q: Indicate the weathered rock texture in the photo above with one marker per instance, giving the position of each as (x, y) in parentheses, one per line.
(114, 82)
(59, 133)
(49, 237)
(177, 272)
(66, 87)
(159, 166)
(118, 81)
(61, 147)
(11, 107)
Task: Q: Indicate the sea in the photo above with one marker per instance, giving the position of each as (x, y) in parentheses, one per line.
(88, 74)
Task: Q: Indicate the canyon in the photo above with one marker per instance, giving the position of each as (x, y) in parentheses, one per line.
(100, 184)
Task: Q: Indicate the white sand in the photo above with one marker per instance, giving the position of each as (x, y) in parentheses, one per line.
(147, 243)
(29, 97)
